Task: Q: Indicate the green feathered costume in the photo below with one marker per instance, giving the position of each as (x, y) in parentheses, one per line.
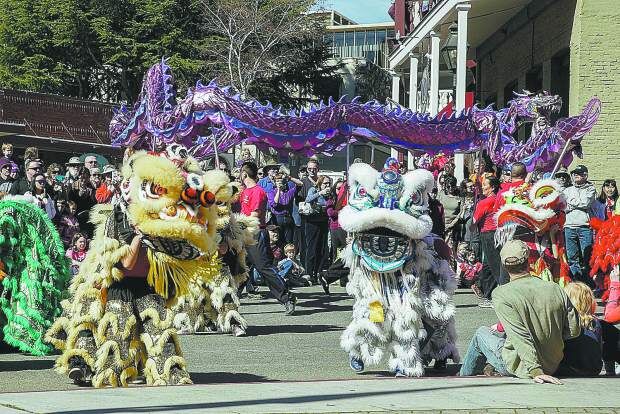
(34, 273)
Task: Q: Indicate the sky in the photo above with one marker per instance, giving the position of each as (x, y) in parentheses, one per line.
(362, 11)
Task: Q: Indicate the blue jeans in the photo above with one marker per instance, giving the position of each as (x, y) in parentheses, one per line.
(485, 347)
(578, 251)
(285, 268)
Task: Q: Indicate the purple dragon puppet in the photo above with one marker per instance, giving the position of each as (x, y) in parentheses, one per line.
(158, 119)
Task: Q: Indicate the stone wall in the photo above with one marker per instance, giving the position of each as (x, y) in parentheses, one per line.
(595, 71)
(530, 39)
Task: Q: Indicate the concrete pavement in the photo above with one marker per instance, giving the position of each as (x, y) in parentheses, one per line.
(481, 395)
(262, 372)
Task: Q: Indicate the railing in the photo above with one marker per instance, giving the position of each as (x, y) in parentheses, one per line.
(420, 9)
(57, 116)
(377, 53)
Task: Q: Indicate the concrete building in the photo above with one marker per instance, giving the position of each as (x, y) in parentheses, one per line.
(569, 47)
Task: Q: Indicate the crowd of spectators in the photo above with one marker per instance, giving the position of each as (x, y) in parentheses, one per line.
(543, 331)
(65, 192)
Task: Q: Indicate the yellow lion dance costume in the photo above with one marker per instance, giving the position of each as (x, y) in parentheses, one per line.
(214, 305)
(118, 321)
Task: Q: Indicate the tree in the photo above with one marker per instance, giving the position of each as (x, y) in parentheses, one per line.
(99, 48)
(268, 48)
(372, 81)
(307, 77)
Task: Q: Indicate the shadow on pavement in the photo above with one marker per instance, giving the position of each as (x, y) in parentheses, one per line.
(26, 365)
(227, 377)
(284, 329)
(284, 400)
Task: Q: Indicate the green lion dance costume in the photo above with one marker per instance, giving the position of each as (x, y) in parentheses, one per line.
(34, 275)
(214, 305)
(118, 322)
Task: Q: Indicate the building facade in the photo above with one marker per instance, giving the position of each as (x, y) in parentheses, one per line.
(567, 47)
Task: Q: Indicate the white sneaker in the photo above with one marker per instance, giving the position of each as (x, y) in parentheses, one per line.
(237, 330)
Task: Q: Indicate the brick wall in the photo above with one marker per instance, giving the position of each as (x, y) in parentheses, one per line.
(57, 116)
(595, 71)
(542, 30)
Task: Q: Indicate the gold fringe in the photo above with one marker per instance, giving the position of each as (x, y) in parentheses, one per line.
(165, 270)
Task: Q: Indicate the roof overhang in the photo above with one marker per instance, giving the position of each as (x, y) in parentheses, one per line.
(484, 18)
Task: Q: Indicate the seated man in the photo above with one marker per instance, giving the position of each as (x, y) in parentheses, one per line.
(537, 317)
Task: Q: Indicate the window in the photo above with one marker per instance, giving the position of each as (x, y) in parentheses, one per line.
(380, 36)
(508, 90)
(349, 38)
(370, 37)
(391, 34)
(338, 39)
(360, 38)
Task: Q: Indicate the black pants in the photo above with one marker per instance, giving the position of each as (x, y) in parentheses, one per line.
(300, 241)
(339, 241)
(287, 228)
(611, 342)
(259, 256)
(316, 247)
(490, 275)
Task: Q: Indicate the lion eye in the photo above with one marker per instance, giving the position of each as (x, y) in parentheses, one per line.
(152, 190)
(416, 198)
(362, 192)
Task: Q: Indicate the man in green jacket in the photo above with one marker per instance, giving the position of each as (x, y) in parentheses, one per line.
(536, 316)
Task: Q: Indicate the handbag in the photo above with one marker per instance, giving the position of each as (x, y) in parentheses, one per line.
(305, 209)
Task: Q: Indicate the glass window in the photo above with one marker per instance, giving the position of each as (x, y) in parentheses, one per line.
(391, 34)
(338, 39)
(360, 38)
(348, 41)
(380, 36)
(370, 37)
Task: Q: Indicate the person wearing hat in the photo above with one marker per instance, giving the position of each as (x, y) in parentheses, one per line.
(536, 316)
(5, 178)
(577, 231)
(74, 167)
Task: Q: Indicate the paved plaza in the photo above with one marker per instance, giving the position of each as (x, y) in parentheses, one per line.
(294, 364)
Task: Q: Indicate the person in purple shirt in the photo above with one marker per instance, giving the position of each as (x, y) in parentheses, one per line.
(280, 199)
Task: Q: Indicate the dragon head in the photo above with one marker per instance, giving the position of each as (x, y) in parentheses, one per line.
(538, 207)
(165, 196)
(385, 211)
(530, 107)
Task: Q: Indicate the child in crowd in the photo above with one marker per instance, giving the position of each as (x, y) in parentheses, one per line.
(468, 266)
(77, 252)
(274, 242)
(291, 270)
(66, 222)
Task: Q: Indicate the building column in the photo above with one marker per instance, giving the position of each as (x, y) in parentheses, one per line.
(413, 97)
(395, 98)
(461, 56)
(413, 82)
(434, 93)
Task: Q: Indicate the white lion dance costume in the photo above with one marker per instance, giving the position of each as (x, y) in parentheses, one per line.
(214, 305)
(117, 323)
(402, 288)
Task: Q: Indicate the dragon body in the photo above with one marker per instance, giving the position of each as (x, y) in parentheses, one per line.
(158, 118)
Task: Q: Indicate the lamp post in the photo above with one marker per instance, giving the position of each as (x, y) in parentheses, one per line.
(449, 53)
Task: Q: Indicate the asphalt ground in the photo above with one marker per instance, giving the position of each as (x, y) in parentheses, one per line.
(302, 347)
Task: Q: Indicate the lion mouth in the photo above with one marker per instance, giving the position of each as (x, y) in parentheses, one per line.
(382, 249)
